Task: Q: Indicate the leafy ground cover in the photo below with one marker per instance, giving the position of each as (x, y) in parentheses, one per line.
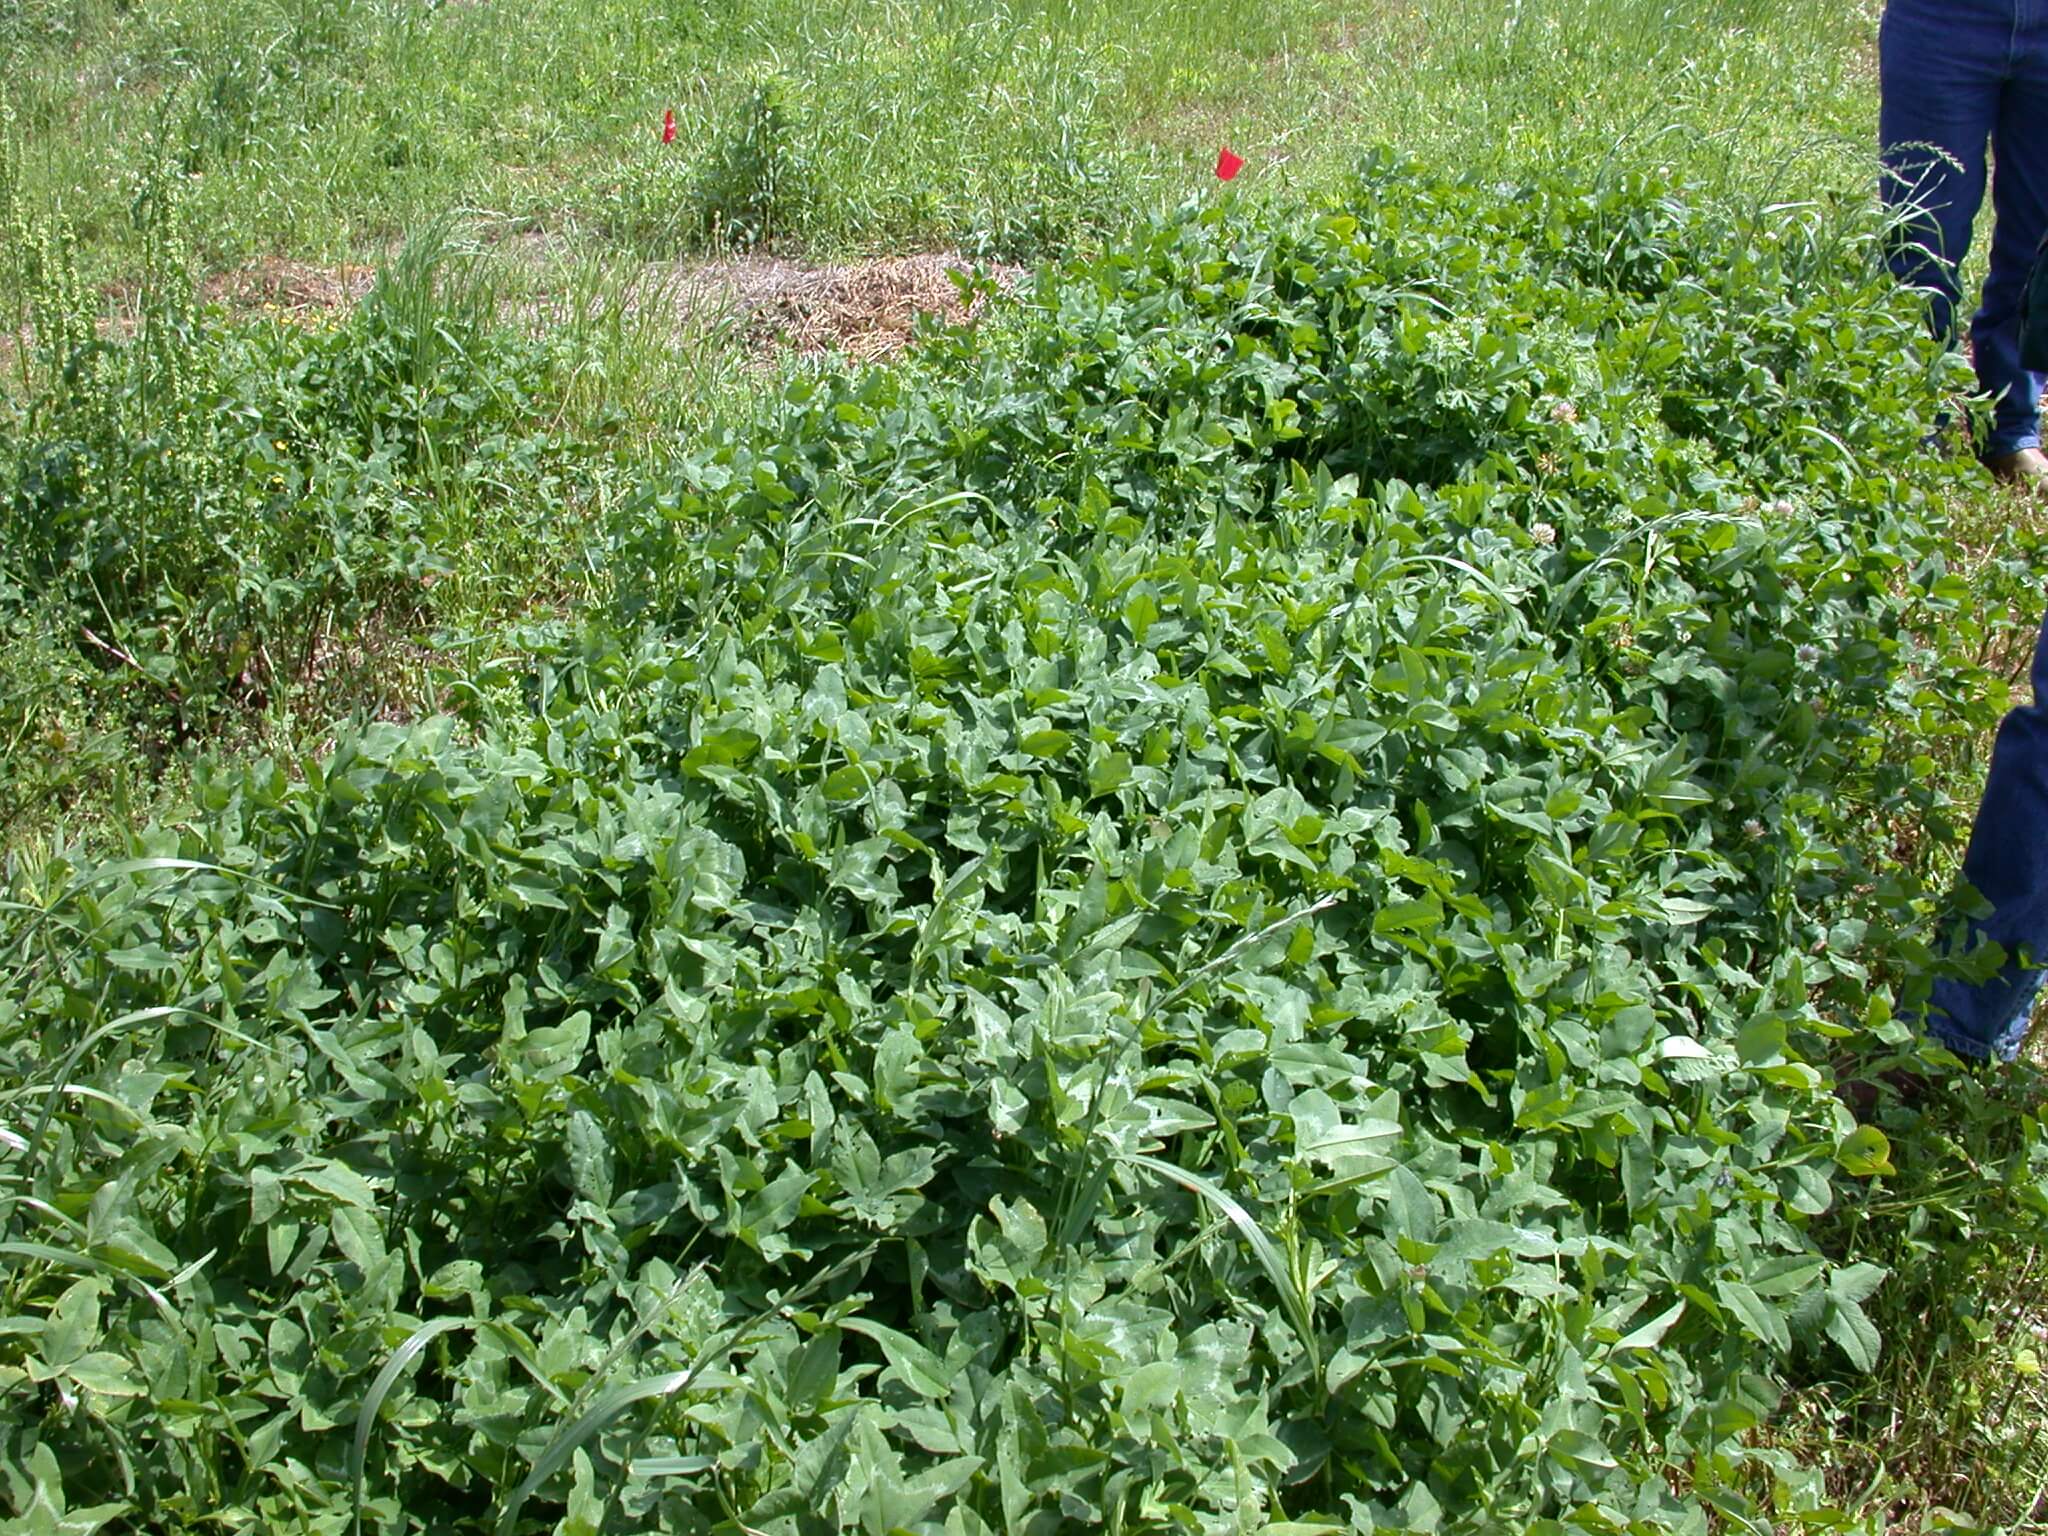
(1232, 903)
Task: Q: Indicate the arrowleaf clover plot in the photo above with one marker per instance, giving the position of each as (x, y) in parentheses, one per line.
(1155, 918)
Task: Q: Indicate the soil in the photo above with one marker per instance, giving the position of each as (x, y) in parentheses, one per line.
(293, 288)
(865, 310)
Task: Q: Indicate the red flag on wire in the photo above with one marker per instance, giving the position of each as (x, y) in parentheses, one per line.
(1227, 165)
(668, 127)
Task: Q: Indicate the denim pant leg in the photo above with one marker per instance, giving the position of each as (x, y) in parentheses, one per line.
(1957, 75)
(2007, 863)
(2019, 199)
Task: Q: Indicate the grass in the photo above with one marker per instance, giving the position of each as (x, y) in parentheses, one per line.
(333, 131)
(328, 129)
(1951, 1432)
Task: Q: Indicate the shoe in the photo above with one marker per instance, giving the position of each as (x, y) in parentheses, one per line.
(2024, 467)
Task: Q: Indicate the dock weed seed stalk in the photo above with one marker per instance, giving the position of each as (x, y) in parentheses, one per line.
(1230, 905)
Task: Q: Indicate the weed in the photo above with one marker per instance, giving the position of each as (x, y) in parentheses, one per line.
(200, 517)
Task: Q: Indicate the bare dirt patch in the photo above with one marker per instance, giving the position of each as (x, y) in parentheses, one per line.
(864, 309)
(294, 289)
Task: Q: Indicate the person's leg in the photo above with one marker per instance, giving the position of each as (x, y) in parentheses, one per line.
(2019, 199)
(1941, 67)
(2007, 862)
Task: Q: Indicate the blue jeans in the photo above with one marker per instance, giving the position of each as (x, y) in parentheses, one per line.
(1956, 75)
(2007, 862)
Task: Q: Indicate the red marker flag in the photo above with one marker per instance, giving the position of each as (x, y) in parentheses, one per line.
(1227, 165)
(668, 127)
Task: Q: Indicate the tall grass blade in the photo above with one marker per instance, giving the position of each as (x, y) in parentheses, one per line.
(1292, 1298)
(618, 1399)
(88, 1041)
(380, 1388)
(599, 1414)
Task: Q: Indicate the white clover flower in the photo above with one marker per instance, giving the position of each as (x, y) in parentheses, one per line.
(1564, 410)
(1808, 655)
(1543, 534)
(1752, 829)
(1783, 507)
